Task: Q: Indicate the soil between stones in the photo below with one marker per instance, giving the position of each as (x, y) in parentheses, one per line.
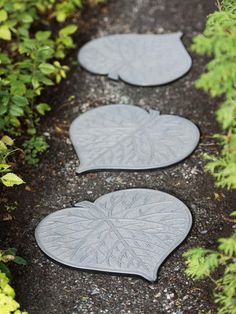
(46, 287)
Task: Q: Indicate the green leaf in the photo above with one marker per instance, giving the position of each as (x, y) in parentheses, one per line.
(5, 32)
(4, 58)
(226, 114)
(60, 16)
(4, 167)
(3, 15)
(18, 88)
(7, 140)
(201, 262)
(47, 81)
(20, 260)
(16, 111)
(42, 108)
(20, 101)
(42, 36)
(46, 68)
(14, 121)
(11, 251)
(10, 179)
(31, 131)
(3, 147)
(4, 102)
(4, 269)
(68, 30)
(35, 82)
(228, 245)
(44, 53)
(23, 31)
(67, 41)
(26, 18)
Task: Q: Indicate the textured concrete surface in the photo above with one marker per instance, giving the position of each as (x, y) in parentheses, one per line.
(128, 137)
(129, 231)
(46, 287)
(137, 59)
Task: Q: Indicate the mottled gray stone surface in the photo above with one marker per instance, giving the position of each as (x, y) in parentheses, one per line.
(138, 59)
(129, 137)
(129, 231)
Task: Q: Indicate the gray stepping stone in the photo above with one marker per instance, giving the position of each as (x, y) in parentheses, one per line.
(129, 231)
(129, 137)
(143, 60)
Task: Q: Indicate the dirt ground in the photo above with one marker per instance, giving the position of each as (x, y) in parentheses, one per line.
(45, 287)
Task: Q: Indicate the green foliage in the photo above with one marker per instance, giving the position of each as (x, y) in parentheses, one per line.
(224, 167)
(202, 263)
(7, 177)
(28, 59)
(226, 113)
(33, 147)
(219, 41)
(66, 8)
(8, 303)
(7, 256)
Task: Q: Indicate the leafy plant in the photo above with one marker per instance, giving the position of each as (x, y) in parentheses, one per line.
(203, 263)
(30, 58)
(7, 256)
(33, 147)
(218, 41)
(223, 167)
(8, 303)
(66, 8)
(29, 61)
(8, 178)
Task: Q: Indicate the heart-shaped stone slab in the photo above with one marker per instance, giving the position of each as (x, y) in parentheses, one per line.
(128, 137)
(129, 231)
(139, 59)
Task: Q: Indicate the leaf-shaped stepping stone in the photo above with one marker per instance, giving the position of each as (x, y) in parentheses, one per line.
(128, 137)
(143, 60)
(129, 231)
